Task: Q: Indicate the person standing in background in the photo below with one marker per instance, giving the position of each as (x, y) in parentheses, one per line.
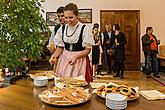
(119, 55)
(150, 49)
(113, 48)
(95, 49)
(60, 13)
(106, 46)
(100, 34)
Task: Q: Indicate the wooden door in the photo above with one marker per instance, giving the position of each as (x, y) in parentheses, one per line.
(129, 24)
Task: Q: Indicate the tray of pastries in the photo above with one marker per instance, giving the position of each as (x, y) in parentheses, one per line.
(127, 91)
(64, 97)
(73, 82)
(49, 74)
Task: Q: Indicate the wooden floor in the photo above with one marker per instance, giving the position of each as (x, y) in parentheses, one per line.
(134, 78)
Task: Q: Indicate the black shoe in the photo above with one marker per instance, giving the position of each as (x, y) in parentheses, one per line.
(121, 77)
(157, 76)
(99, 70)
(116, 75)
(108, 72)
(148, 76)
(99, 73)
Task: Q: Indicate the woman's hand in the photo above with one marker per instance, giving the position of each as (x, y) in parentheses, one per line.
(73, 60)
(107, 42)
(52, 60)
(117, 43)
(82, 54)
(116, 32)
(56, 55)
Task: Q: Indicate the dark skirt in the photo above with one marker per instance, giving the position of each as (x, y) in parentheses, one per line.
(95, 54)
(119, 55)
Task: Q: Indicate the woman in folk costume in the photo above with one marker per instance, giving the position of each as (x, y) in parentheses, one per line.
(74, 41)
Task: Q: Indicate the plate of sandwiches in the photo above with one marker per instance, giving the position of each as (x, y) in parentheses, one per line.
(49, 74)
(130, 92)
(65, 97)
(72, 82)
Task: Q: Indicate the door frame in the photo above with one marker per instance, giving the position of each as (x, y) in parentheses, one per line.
(137, 33)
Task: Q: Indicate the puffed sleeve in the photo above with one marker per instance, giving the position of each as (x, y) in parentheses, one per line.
(88, 40)
(58, 38)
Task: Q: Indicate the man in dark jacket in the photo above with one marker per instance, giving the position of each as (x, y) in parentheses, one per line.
(107, 36)
(150, 49)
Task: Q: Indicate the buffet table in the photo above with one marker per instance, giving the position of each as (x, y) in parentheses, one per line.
(24, 96)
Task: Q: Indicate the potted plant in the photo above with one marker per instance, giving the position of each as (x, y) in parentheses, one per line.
(21, 28)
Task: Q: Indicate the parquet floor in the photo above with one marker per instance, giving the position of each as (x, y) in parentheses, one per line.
(135, 78)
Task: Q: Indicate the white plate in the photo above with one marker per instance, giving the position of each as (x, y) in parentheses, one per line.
(115, 97)
(41, 81)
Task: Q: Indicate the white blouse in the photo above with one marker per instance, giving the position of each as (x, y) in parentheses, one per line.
(87, 38)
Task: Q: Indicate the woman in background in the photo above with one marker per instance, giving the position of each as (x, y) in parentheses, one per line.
(95, 49)
(119, 56)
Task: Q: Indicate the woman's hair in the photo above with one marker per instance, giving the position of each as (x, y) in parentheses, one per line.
(148, 28)
(94, 27)
(117, 27)
(60, 9)
(71, 7)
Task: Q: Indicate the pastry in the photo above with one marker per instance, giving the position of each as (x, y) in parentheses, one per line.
(48, 74)
(101, 88)
(73, 82)
(64, 96)
(127, 91)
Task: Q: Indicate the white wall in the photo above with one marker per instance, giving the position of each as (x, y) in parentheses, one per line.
(152, 12)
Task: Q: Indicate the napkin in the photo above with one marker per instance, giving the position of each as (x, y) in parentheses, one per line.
(80, 77)
(97, 85)
(111, 83)
(152, 94)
